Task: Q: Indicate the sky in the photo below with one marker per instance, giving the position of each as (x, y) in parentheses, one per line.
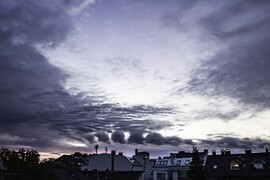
(157, 75)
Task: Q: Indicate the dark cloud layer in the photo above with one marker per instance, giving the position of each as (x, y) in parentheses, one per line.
(102, 137)
(118, 137)
(232, 142)
(25, 74)
(36, 111)
(157, 139)
(241, 70)
(32, 92)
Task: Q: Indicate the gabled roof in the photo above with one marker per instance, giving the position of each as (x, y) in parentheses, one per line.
(108, 156)
(72, 160)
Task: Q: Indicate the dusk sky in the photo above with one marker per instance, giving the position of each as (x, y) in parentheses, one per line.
(157, 75)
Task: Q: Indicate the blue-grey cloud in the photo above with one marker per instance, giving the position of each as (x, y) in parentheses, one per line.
(118, 137)
(25, 72)
(121, 66)
(90, 138)
(136, 138)
(241, 70)
(223, 115)
(31, 88)
(102, 137)
(233, 142)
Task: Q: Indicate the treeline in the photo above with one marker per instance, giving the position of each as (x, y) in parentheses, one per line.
(26, 165)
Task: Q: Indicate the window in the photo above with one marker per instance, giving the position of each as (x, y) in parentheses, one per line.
(178, 162)
(162, 163)
(165, 163)
(187, 162)
(234, 165)
(215, 166)
(258, 164)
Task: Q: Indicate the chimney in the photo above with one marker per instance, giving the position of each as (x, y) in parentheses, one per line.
(266, 149)
(136, 152)
(214, 152)
(205, 151)
(172, 158)
(248, 151)
(113, 156)
(120, 153)
(227, 152)
(222, 152)
(144, 164)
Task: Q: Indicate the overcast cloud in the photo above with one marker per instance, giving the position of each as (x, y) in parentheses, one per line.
(152, 74)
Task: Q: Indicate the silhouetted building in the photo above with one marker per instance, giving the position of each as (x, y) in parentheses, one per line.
(175, 166)
(143, 159)
(171, 168)
(184, 154)
(109, 165)
(238, 166)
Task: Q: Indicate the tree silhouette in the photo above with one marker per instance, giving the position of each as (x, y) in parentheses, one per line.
(196, 169)
(20, 161)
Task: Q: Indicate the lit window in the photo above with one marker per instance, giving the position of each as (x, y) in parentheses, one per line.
(234, 165)
(187, 162)
(215, 166)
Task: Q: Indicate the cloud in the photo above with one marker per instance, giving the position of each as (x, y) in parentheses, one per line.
(90, 138)
(102, 137)
(223, 115)
(32, 92)
(31, 89)
(232, 142)
(136, 138)
(241, 69)
(158, 139)
(80, 5)
(25, 72)
(154, 138)
(118, 137)
(122, 66)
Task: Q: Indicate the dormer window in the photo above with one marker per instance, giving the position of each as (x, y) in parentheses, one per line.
(234, 165)
(165, 163)
(178, 162)
(187, 162)
(162, 163)
(258, 164)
